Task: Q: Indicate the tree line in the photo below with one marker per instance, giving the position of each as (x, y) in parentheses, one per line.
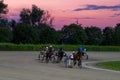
(35, 27)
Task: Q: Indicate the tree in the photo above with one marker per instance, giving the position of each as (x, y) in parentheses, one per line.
(24, 33)
(47, 34)
(5, 35)
(4, 22)
(108, 34)
(3, 8)
(117, 34)
(25, 16)
(3, 11)
(35, 16)
(60, 37)
(74, 34)
(12, 24)
(94, 35)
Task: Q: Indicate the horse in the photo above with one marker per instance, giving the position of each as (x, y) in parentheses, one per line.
(73, 59)
(60, 55)
(49, 55)
(78, 58)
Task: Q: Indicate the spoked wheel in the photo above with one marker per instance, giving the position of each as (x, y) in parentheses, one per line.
(41, 56)
(86, 57)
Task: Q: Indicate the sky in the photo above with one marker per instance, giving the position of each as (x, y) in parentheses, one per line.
(100, 13)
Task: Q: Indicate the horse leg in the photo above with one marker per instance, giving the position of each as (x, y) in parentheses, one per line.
(50, 58)
(79, 63)
(53, 58)
(43, 57)
(47, 59)
(60, 58)
(56, 58)
(39, 56)
(74, 62)
(65, 61)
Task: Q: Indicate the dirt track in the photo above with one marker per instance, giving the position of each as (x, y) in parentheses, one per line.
(15, 65)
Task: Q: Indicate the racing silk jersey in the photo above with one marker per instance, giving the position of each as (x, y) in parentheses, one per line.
(81, 48)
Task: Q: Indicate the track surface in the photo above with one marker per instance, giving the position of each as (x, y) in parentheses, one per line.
(21, 65)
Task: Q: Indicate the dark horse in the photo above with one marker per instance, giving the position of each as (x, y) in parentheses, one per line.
(78, 58)
(60, 55)
(49, 54)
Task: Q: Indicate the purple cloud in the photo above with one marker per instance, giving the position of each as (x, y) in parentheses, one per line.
(97, 7)
(84, 18)
(13, 14)
(115, 15)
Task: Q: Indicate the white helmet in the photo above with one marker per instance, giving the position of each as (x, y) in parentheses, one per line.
(73, 51)
(50, 45)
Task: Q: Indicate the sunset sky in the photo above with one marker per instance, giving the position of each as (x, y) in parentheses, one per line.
(100, 13)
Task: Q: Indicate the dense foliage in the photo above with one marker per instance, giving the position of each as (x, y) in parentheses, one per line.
(5, 35)
(74, 34)
(108, 34)
(38, 47)
(117, 34)
(94, 35)
(46, 34)
(24, 33)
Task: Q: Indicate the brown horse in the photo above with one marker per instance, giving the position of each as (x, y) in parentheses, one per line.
(60, 55)
(78, 58)
(49, 56)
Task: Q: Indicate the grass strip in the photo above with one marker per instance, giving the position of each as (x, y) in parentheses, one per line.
(38, 47)
(112, 65)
